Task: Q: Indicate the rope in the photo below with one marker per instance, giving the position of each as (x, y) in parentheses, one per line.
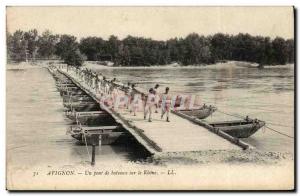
(271, 123)
(248, 107)
(263, 129)
(279, 132)
(264, 126)
(280, 125)
(234, 115)
(238, 116)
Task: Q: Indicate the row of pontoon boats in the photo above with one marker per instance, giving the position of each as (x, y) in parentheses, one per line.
(88, 118)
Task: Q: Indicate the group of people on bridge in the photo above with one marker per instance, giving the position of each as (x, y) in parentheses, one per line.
(151, 101)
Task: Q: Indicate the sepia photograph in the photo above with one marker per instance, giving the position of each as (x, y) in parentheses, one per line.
(144, 98)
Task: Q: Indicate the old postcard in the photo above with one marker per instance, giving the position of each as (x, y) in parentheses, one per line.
(150, 98)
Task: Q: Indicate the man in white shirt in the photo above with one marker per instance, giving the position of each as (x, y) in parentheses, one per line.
(150, 103)
(166, 104)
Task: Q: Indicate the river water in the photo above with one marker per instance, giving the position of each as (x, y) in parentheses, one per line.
(36, 125)
(266, 94)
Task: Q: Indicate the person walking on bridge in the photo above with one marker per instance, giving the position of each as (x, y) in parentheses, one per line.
(150, 102)
(157, 98)
(133, 102)
(127, 91)
(166, 104)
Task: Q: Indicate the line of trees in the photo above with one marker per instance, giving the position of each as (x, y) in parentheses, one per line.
(138, 51)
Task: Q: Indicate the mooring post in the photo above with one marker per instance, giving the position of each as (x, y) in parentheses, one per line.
(93, 154)
(95, 142)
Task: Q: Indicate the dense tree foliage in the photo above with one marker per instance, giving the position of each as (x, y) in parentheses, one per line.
(138, 51)
(68, 49)
(192, 50)
(47, 45)
(16, 46)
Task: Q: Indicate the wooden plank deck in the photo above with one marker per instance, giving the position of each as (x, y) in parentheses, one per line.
(179, 134)
(160, 136)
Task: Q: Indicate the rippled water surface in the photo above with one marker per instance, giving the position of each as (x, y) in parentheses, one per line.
(266, 94)
(36, 125)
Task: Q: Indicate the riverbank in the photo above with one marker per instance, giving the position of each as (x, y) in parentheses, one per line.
(221, 65)
(97, 65)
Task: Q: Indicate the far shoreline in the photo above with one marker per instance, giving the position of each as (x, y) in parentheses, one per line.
(100, 65)
(241, 64)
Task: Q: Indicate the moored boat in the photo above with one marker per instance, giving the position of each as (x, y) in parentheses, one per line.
(239, 128)
(76, 98)
(107, 134)
(200, 113)
(71, 93)
(67, 88)
(83, 117)
(78, 104)
(83, 107)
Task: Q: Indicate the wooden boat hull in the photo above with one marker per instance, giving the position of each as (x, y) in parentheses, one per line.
(72, 93)
(106, 139)
(239, 129)
(200, 113)
(85, 107)
(65, 90)
(77, 104)
(87, 120)
(76, 98)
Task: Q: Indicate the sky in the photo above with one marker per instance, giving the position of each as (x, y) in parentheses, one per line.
(159, 23)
